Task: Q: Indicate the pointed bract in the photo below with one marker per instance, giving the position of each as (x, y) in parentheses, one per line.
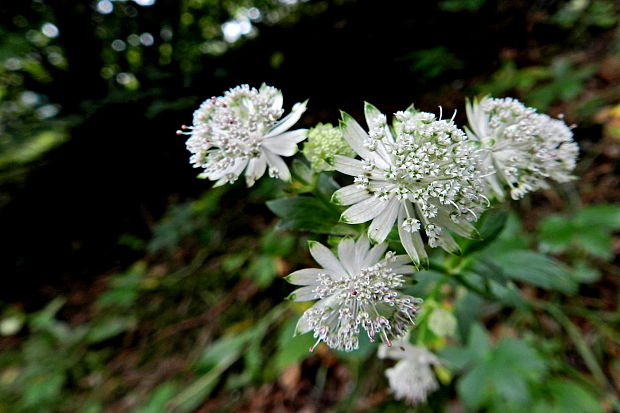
(520, 149)
(359, 288)
(240, 130)
(422, 175)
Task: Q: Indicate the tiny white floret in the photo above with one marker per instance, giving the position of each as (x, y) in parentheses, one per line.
(242, 131)
(357, 289)
(412, 378)
(520, 149)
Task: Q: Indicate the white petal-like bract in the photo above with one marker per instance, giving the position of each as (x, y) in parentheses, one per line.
(522, 147)
(240, 131)
(421, 175)
(357, 289)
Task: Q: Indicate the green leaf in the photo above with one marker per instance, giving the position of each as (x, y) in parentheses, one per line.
(225, 347)
(570, 397)
(601, 216)
(276, 243)
(302, 172)
(487, 269)
(511, 238)
(43, 389)
(536, 269)
(107, 328)
(158, 401)
(596, 242)
(508, 294)
(263, 270)
(326, 186)
(457, 357)
(475, 387)
(490, 226)
(291, 350)
(506, 383)
(212, 364)
(304, 213)
(478, 341)
(556, 233)
(467, 312)
(520, 357)
(45, 318)
(584, 273)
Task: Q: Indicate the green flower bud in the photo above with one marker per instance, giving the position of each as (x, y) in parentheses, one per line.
(325, 141)
(442, 323)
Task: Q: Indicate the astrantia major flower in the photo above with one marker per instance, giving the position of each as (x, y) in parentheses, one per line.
(357, 289)
(412, 378)
(242, 131)
(421, 174)
(523, 147)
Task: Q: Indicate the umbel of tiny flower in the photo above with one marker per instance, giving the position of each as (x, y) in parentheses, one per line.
(325, 141)
(420, 174)
(359, 288)
(412, 377)
(242, 130)
(523, 147)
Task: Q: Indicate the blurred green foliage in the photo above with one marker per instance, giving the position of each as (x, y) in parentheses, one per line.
(542, 86)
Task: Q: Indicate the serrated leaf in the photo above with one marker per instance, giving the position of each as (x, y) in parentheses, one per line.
(488, 269)
(304, 213)
(490, 226)
(478, 341)
(474, 387)
(509, 295)
(457, 357)
(536, 269)
(510, 386)
(520, 357)
(467, 312)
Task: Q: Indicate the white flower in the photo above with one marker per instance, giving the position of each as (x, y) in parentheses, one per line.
(419, 174)
(357, 289)
(522, 146)
(412, 378)
(240, 131)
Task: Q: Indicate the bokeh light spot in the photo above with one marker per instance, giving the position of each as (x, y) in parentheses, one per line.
(105, 6)
(50, 30)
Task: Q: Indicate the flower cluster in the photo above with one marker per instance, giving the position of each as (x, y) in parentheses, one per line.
(420, 174)
(523, 147)
(240, 131)
(357, 289)
(325, 141)
(412, 378)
